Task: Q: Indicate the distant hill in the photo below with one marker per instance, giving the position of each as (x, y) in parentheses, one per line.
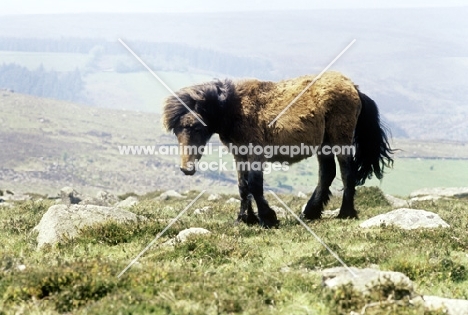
(411, 61)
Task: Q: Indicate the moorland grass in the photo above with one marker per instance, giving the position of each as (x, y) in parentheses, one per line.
(237, 269)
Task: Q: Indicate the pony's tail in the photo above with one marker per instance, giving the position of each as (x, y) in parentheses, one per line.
(373, 152)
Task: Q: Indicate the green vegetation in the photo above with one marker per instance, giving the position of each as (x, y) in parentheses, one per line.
(238, 269)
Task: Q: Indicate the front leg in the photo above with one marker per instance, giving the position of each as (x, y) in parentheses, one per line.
(246, 213)
(266, 215)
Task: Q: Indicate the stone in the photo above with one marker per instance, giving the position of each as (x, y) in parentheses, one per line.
(396, 203)
(233, 200)
(202, 210)
(128, 203)
(70, 196)
(185, 234)
(65, 221)
(367, 280)
(302, 195)
(280, 212)
(407, 219)
(170, 194)
(451, 306)
(214, 197)
(447, 192)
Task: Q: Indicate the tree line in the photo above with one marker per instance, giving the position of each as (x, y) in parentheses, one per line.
(166, 56)
(41, 82)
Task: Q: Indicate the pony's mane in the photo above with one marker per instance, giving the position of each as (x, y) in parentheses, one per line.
(198, 98)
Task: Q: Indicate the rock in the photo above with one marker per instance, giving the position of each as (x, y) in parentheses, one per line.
(451, 306)
(389, 285)
(396, 202)
(69, 196)
(448, 192)
(233, 200)
(214, 197)
(367, 280)
(302, 195)
(330, 213)
(280, 212)
(66, 221)
(184, 234)
(170, 194)
(128, 203)
(107, 198)
(21, 267)
(424, 198)
(407, 219)
(201, 210)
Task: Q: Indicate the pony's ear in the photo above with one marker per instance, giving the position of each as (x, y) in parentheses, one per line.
(222, 90)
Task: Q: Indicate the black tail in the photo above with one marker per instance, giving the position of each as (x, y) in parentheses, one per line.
(373, 152)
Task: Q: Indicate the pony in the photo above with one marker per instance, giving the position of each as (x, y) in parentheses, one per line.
(332, 111)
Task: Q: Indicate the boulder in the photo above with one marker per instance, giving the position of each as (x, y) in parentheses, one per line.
(65, 221)
(441, 192)
(302, 195)
(184, 234)
(203, 210)
(214, 197)
(451, 306)
(233, 200)
(389, 285)
(367, 281)
(280, 212)
(170, 194)
(407, 219)
(128, 203)
(396, 203)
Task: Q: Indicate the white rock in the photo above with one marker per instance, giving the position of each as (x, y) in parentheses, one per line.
(184, 234)
(451, 306)
(66, 220)
(128, 203)
(396, 202)
(214, 197)
(233, 200)
(330, 213)
(170, 194)
(407, 219)
(456, 192)
(302, 195)
(21, 267)
(202, 210)
(173, 194)
(280, 212)
(364, 280)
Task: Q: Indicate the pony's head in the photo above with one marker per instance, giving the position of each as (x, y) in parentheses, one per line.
(194, 116)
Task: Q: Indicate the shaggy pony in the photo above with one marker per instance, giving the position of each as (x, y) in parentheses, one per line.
(331, 112)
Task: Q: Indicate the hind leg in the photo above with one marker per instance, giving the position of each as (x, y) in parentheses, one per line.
(348, 175)
(321, 195)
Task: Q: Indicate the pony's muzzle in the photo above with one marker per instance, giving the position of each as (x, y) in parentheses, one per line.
(188, 171)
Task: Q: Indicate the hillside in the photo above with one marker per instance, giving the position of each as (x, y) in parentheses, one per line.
(411, 61)
(48, 144)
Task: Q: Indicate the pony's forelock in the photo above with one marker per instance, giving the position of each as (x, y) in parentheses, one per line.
(216, 91)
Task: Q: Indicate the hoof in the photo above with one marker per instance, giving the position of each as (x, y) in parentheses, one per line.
(250, 219)
(269, 221)
(311, 217)
(352, 215)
